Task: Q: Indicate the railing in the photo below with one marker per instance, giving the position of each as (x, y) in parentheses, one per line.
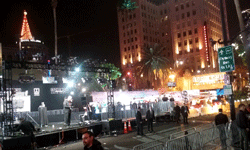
(201, 137)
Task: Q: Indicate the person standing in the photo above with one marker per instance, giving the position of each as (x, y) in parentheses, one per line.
(220, 121)
(241, 121)
(139, 122)
(67, 110)
(185, 112)
(150, 116)
(90, 143)
(27, 128)
(177, 110)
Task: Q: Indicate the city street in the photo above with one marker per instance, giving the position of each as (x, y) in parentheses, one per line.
(128, 141)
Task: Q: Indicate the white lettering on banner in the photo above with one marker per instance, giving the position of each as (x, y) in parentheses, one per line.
(57, 90)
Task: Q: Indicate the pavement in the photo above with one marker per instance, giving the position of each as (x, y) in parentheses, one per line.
(128, 141)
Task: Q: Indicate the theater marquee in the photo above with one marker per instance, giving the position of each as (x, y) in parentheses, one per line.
(208, 81)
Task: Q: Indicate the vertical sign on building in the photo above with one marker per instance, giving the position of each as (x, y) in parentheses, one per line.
(1, 58)
(226, 59)
(206, 44)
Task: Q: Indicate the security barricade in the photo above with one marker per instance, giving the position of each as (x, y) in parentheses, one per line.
(207, 135)
(181, 133)
(148, 144)
(186, 142)
(155, 147)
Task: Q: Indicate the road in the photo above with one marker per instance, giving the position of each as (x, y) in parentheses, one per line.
(128, 141)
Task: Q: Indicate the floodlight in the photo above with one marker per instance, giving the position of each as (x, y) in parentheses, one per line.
(83, 89)
(70, 83)
(77, 69)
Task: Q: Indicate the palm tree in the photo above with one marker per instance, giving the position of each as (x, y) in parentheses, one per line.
(153, 65)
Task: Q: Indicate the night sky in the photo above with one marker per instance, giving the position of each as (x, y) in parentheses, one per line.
(92, 25)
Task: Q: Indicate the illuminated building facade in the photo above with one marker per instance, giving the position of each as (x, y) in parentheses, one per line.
(146, 25)
(183, 26)
(194, 23)
(30, 48)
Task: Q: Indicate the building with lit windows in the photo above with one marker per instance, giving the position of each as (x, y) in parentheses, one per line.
(194, 23)
(184, 27)
(144, 26)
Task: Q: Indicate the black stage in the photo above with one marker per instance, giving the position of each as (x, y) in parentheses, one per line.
(51, 135)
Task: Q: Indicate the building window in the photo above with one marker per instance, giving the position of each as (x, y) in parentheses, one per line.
(128, 48)
(190, 32)
(135, 31)
(194, 12)
(134, 15)
(135, 38)
(180, 52)
(132, 40)
(128, 41)
(133, 47)
(196, 40)
(127, 33)
(195, 30)
(136, 46)
(124, 34)
(185, 43)
(178, 35)
(182, 6)
(190, 41)
(187, 4)
(125, 49)
(125, 57)
(123, 27)
(188, 14)
(122, 19)
(124, 41)
(197, 49)
(184, 34)
(131, 31)
(176, 8)
(179, 44)
(191, 50)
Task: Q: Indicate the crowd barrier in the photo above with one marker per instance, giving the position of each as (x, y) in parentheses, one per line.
(201, 137)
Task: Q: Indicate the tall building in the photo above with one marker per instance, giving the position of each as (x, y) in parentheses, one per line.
(140, 28)
(29, 48)
(184, 27)
(194, 23)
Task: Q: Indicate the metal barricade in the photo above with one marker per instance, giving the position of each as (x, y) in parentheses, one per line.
(186, 142)
(155, 147)
(207, 135)
(148, 144)
(181, 133)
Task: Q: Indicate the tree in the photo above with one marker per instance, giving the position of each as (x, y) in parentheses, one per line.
(152, 64)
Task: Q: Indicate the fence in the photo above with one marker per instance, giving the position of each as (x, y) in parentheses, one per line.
(201, 137)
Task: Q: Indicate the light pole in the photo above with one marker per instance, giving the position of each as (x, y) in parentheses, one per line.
(54, 4)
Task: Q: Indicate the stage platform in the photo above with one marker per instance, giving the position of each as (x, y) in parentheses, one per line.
(51, 135)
